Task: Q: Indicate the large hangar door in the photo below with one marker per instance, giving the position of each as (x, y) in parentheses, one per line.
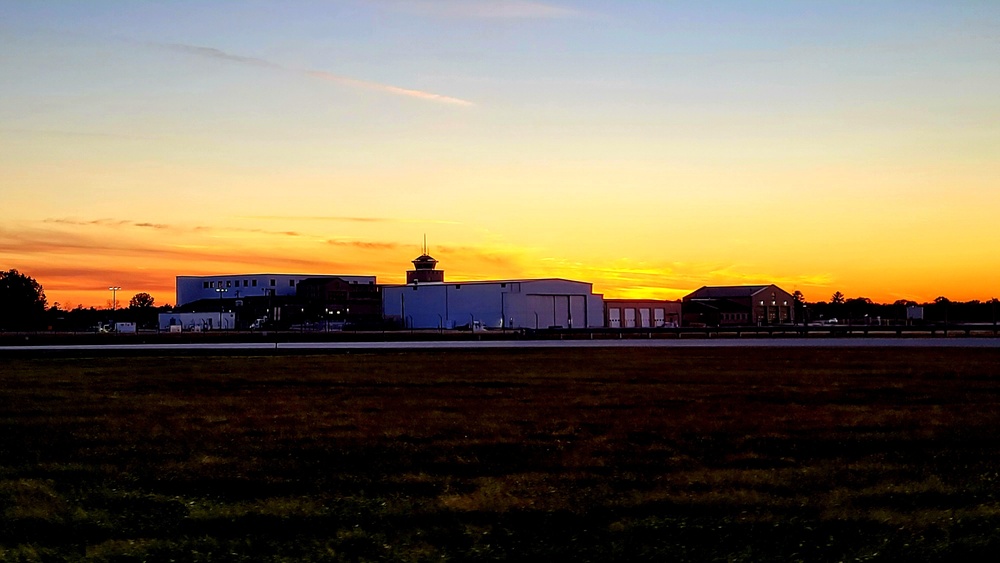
(578, 308)
(557, 311)
(545, 311)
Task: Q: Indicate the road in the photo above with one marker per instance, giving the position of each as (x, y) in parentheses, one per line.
(319, 347)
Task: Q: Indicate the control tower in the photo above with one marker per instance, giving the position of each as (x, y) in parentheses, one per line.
(424, 269)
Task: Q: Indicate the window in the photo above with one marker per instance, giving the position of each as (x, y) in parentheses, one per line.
(274, 283)
(205, 286)
(246, 283)
(291, 283)
(503, 285)
(229, 283)
(211, 284)
(458, 287)
(255, 283)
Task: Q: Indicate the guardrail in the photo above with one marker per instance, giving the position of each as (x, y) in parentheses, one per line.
(765, 331)
(772, 331)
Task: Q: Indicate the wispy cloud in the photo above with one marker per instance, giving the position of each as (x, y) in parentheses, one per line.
(485, 9)
(106, 223)
(48, 245)
(127, 223)
(366, 245)
(213, 53)
(346, 219)
(318, 218)
(363, 84)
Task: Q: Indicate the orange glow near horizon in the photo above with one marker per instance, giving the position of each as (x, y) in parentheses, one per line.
(77, 260)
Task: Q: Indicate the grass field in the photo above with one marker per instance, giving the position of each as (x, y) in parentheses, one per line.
(576, 455)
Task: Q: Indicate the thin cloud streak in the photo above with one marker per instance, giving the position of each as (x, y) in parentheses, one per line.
(486, 9)
(364, 84)
(317, 218)
(366, 245)
(102, 223)
(213, 53)
(42, 246)
(345, 219)
(117, 223)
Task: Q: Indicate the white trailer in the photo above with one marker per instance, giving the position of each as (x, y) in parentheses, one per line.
(197, 322)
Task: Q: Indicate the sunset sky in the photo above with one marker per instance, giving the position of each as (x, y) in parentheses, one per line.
(649, 147)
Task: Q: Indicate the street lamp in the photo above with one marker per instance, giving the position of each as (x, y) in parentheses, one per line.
(220, 291)
(114, 301)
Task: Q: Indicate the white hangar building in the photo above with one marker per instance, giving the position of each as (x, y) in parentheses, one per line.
(427, 301)
(235, 286)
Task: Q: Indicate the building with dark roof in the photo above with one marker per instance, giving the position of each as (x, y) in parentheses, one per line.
(340, 300)
(736, 305)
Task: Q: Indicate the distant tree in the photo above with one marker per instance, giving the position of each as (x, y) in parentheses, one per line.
(837, 298)
(942, 300)
(798, 297)
(904, 303)
(141, 301)
(22, 301)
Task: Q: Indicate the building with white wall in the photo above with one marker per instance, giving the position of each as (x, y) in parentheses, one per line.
(535, 303)
(427, 301)
(236, 286)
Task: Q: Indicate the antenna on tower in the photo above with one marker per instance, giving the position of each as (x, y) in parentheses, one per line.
(425, 244)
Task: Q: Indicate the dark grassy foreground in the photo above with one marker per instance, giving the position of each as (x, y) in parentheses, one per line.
(591, 455)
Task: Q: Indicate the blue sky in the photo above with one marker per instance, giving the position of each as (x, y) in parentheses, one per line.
(525, 138)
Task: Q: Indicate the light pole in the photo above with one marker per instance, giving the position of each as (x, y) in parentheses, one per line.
(114, 302)
(503, 314)
(220, 291)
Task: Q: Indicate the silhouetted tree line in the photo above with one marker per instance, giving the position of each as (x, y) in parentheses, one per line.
(23, 306)
(22, 301)
(863, 310)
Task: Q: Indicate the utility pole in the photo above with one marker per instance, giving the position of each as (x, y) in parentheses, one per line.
(114, 304)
